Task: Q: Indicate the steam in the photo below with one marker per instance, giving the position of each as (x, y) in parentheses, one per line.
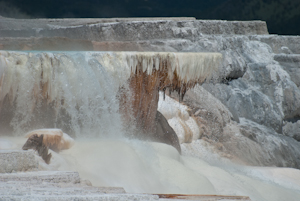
(78, 90)
(143, 167)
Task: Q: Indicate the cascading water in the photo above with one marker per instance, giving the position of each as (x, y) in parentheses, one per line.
(70, 90)
(78, 91)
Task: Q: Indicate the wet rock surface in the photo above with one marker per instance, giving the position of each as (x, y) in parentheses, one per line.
(127, 29)
(257, 80)
(17, 160)
(59, 185)
(292, 129)
(35, 142)
(164, 132)
(262, 146)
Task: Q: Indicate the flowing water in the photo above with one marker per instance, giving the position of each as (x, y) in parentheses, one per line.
(79, 93)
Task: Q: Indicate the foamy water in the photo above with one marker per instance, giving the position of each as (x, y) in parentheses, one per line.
(83, 87)
(143, 167)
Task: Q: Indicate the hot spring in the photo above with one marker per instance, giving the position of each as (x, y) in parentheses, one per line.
(107, 102)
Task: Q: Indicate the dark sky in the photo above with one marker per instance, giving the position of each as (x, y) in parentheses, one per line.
(282, 16)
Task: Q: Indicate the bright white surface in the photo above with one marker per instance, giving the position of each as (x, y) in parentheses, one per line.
(142, 167)
(179, 119)
(85, 84)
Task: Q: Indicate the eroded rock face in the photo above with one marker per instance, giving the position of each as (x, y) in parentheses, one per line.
(251, 55)
(46, 43)
(17, 160)
(266, 92)
(144, 100)
(257, 81)
(239, 139)
(205, 106)
(292, 130)
(245, 141)
(35, 142)
(266, 148)
(291, 64)
(164, 132)
(126, 29)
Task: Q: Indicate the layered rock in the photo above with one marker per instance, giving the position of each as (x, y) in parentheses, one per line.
(245, 142)
(126, 29)
(119, 34)
(164, 132)
(59, 185)
(35, 142)
(257, 80)
(17, 160)
(46, 85)
(160, 71)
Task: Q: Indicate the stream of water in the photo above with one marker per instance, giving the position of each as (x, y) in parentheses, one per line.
(79, 93)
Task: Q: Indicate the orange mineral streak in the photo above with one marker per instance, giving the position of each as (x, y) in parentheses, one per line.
(53, 139)
(145, 92)
(144, 98)
(146, 72)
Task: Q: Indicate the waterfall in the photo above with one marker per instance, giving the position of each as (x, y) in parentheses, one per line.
(80, 92)
(69, 90)
(77, 91)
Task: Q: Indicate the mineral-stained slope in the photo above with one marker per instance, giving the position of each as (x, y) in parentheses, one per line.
(53, 79)
(257, 81)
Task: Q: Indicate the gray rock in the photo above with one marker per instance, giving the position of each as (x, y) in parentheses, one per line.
(52, 44)
(35, 142)
(17, 160)
(164, 132)
(245, 101)
(42, 176)
(291, 64)
(258, 79)
(209, 108)
(265, 94)
(276, 83)
(128, 29)
(292, 130)
(58, 185)
(280, 43)
(254, 144)
(246, 142)
(70, 196)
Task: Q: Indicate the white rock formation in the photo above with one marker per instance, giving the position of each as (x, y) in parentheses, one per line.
(17, 160)
(255, 96)
(60, 80)
(179, 119)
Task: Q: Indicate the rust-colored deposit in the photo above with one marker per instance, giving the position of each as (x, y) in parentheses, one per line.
(41, 77)
(202, 197)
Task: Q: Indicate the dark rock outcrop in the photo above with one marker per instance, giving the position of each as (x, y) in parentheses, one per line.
(164, 132)
(36, 142)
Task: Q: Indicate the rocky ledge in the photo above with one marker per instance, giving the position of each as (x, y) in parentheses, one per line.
(257, 85)
(66, 185)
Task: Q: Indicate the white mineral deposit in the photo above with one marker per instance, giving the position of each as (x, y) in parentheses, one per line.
(233, 118)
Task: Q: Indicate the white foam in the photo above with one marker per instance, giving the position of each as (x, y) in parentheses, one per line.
(142, 167)
(6, 144)
(84, 85)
